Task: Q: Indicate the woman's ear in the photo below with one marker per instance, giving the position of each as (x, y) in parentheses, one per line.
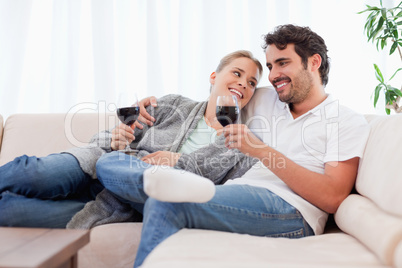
(212, 78)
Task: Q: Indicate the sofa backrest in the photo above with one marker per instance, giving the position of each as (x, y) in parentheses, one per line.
(43, 134)
(380, 176)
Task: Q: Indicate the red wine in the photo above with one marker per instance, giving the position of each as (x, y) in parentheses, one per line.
(227, 114)
(128, 115)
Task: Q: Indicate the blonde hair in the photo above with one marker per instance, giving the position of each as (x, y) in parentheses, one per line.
(239, 54)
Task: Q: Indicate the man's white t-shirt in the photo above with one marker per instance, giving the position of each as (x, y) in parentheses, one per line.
(328, 133)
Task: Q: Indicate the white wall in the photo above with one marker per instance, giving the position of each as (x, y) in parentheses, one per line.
(57, 56)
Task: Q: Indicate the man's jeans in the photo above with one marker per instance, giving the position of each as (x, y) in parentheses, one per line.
(235, 208)
(44, 192)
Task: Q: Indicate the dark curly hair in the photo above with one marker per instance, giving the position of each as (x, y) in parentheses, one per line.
(307, 43)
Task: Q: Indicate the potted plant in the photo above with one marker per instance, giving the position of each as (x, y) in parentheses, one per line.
(383, 27)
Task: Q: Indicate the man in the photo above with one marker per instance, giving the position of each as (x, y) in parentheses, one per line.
(308, 158)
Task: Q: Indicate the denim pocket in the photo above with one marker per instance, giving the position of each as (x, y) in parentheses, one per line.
(293, 234)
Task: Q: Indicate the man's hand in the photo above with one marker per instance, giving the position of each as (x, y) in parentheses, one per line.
(121, 136)
(162, 158)
(145, 117)
(240, 137)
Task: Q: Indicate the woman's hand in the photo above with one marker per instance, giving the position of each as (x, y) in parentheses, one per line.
(162, 158)
(240, 137)
(121, 136)
(145, 117)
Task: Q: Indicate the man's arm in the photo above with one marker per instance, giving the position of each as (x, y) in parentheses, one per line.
(326, 191)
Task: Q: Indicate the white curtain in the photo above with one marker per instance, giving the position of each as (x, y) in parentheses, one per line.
(65, 55)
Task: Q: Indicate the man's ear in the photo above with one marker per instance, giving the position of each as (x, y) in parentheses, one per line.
(212, 78)
(315, 62)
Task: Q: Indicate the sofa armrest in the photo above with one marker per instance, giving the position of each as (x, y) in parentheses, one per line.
(378, 230)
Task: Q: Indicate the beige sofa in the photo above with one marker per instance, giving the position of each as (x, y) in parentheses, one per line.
(368, 230)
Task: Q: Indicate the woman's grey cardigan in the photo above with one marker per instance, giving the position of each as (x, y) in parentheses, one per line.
(176, 118)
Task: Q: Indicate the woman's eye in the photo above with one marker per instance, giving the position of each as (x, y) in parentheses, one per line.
(237, 74)
(252, 83)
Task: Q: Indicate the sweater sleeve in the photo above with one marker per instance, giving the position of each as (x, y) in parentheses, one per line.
(169, 106)
(216, 162)
(103, 140)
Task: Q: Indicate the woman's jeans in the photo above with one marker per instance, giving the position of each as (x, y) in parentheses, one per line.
(235, 208)
(44, 192)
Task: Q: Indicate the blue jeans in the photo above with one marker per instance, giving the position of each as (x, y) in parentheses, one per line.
(240, 209)
(122, 175)
(44, 192)
(235, 208)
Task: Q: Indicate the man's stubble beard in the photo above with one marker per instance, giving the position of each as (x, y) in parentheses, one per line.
(299, 89)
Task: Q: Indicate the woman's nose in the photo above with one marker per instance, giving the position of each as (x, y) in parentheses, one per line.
(242, 83)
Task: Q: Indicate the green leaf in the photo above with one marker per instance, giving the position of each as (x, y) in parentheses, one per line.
(377, 94)
(378, 73)
(380, 24)
(369, 8)
(388, 111)
(383, 43)
(384, 13)
(398, 92)
(395, 33)
(388, 99)
(391, 94)
(393, 47)
(395, 73)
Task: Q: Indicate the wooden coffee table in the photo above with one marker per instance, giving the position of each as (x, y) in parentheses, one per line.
(36, 247)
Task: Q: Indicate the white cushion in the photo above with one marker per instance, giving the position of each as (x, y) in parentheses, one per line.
(378, 230)
(213, 249)
(379, 176)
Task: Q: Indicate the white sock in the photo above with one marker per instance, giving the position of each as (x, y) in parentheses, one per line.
(174, 185)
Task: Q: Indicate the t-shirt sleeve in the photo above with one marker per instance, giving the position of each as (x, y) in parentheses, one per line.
(348, 137)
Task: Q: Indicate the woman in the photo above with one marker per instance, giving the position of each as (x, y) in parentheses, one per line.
(48, 191)
(184, 136)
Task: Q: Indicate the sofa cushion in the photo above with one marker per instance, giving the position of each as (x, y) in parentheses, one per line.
(379, 176)
(202, 248)
(380, 231)
(398, 256)
(111, 245)
(42, 134)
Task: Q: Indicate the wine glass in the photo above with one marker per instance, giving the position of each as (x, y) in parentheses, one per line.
(128, 111)
(227, 110)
